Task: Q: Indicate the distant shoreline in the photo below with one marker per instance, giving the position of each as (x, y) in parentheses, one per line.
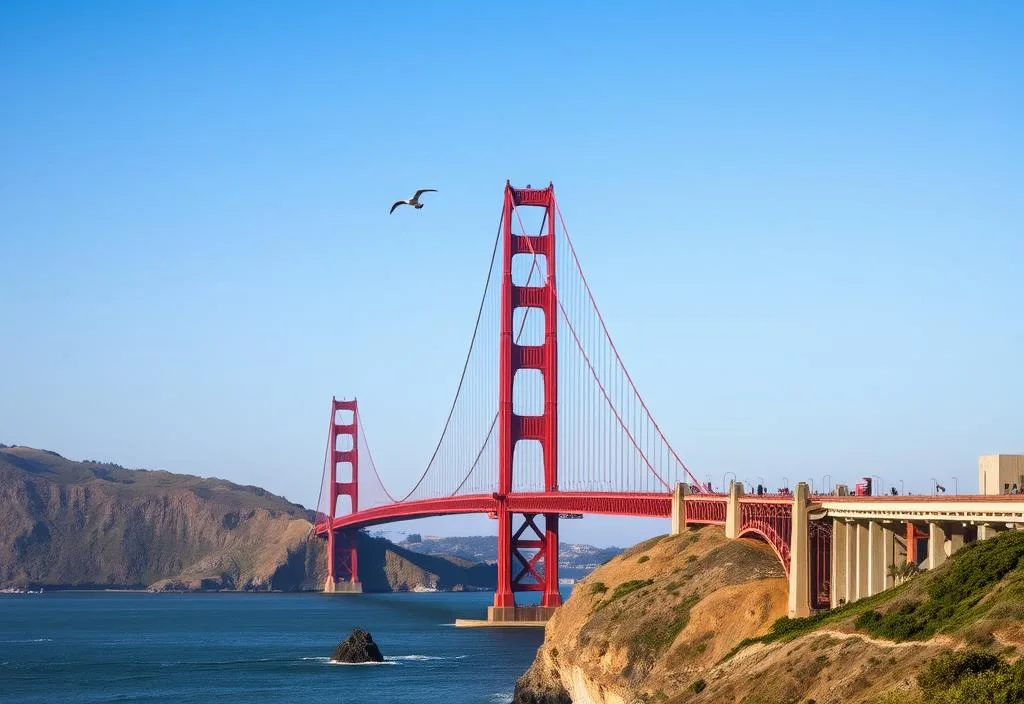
(143, 590)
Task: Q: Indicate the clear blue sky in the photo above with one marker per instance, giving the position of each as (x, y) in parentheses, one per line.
(803, 225)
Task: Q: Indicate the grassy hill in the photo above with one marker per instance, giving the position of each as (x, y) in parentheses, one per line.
(697, 619)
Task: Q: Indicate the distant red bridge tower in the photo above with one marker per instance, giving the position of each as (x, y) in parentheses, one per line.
(342, 557)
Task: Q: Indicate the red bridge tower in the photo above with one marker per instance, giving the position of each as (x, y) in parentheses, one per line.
(342, 559)
(528, 557)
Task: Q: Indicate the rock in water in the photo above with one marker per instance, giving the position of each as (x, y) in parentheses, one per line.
(358, 647)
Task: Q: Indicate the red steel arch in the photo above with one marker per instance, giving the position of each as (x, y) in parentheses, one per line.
(770, 520)
(707, 510)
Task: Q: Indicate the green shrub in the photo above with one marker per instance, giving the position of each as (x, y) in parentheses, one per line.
(1002, 686)
(949, 668)
(629, 587)
(698, 686)
(598, 588)
(972, 677)
(643, 559)
(664, 632)
(952, 593)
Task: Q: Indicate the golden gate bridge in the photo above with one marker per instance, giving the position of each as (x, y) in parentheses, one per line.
(546, 421)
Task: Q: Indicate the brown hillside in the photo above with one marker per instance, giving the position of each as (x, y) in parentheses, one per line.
(94, 525)
(647, 622)
(694, 623)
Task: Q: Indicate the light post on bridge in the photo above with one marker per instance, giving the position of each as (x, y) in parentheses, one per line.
(724, 484)
(956, 487)
(935, 486)
(810, 482)
(785, 482)
(901, 488)
(826, 483)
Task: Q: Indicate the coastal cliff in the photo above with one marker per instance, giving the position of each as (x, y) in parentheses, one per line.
(648, 622)
(89, 525)
(696, 619)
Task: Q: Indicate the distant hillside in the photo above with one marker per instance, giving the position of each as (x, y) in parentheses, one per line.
(574, 560)
(99, 525)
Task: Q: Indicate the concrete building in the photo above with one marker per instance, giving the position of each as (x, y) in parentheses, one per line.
(1000, 474)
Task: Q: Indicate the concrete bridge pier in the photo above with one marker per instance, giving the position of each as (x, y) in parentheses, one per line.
(936, 544)
(876, 558)
(679, 507)
(840, 564)
(862, 552)
(990, 530)
(733, 513)
(799, 554)
(341, 586)
(886, 581)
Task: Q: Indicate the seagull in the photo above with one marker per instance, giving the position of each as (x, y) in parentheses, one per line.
(415, 200)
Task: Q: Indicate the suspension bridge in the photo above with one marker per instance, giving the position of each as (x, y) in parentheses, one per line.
(548, 422)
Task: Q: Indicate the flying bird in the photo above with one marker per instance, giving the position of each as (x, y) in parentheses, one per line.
(415, 200)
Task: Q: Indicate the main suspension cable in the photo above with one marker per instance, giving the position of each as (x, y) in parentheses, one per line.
(618, 358)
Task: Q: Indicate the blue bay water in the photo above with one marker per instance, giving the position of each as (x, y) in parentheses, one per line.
(76, 647)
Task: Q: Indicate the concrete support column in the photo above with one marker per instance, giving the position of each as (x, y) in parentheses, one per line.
(862, 560)
(800, 555)
(733, 516)
(988, 530)
(957, 537)
(876, 559)
(936, 545)
(839, 563)
(900, 547)
(679, 507)
(851, 562)
(891, 558)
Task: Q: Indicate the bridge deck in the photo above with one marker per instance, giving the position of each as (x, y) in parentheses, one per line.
(646, 505)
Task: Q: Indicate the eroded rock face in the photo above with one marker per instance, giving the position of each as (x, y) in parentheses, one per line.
(652, 621)
(358, 647)
(539, 686)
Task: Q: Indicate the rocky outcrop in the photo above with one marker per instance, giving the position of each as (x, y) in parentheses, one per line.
(649, 622)
(358, 647)
(541, 685)
(94, 525)
(695, 619)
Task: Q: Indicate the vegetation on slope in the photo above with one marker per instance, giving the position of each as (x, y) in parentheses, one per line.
(669, 629)
(971, 677)
(953, 597)
(949, 636)
(984, 579)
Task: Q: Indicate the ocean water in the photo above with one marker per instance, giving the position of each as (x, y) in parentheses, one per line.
(73, 647)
